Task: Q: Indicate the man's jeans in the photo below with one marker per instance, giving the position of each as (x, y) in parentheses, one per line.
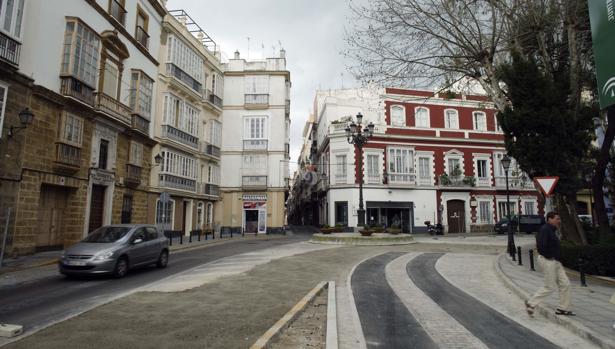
(555, 277)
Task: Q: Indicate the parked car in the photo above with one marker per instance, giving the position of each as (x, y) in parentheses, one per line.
(115, 249)
(528, 224)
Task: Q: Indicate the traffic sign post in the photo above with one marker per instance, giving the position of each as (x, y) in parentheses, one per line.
(547, 186)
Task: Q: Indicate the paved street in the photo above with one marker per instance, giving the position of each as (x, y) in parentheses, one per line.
(441, 293)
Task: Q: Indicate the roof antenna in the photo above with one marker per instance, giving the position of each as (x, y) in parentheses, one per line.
(342, 75)
(248, 48)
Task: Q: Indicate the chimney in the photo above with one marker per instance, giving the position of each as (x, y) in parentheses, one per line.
(236, 55)
(282, 53)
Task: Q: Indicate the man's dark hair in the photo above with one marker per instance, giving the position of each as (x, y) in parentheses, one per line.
(552, 215)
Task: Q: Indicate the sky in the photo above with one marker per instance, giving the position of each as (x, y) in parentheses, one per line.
(311, 32)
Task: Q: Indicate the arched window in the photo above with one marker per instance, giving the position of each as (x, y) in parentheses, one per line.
(210, 213)
(480, 121)
(200, 215)
(451, 118)
(398, 115)
(421, 117)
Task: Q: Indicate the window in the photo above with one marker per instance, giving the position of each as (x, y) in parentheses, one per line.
(11, 15)
(424, 168)
(451, 119)
(454, 167)
(141, 27)
(398, 116)
(182, 56)
(141, 87)
(255, 161)
(256, 89)
(210, 213)
(215, 132)
(255, 127)
(178, 164)
(71, 130)
(116, 9)
(164, 213)
(180, 115)
(200, 213)
(213, 174)
(528, 207)
(421, 117)
(484, 212)
(340, 168)
(217, 86)
(400, 164)
(111, 78)
(481, 169)
(136, 154)
(126, 209)
(480, 121)
(502, 209)
(498, 128)
(373, 168)
(103, 154)
(3, 92)
(81, 52)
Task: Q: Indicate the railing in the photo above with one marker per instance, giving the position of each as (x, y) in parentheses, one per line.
(402, 178)
(9, 49)
(516, 182)
(117, 11)
(254, 181)
(212, 150)
(255, 144)
(174, 182)
(114, 107)
(68, 154)
(209, 189)
(140, 124)
(133, 175)
(77, 89)
(483, 182)
(341, 178)
(142, 36)
(373, 178)
(256, 99)
(182, 76)
(180, 136)
(425, 181)
(213, 99)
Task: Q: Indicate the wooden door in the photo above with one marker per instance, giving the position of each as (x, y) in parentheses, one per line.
(456, 216)
(97, 206)
(51, 217)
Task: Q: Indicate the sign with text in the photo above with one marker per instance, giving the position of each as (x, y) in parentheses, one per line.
(602, 18)
(546, 184)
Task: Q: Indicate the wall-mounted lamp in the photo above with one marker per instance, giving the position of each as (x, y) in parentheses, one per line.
(26, 117)
(473, 202)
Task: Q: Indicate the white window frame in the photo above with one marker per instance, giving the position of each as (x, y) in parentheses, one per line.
(136, 154)
(254, 161)
(177, 164)
(62, 137)
(256, 84)
(453, 154)
(210, 214)
(426, 122)
(4, 86)
(533, 203)
(424, 180)
(170, 221)
(513, 206)
(447, 121)
(373, 168)
(398, 120)
(142, 93)
(481, 219)
(200, 218)
(477, 123)
(486, 180)
(341, 168)
(398, 170)
(498, 128)
(89, 54)
(215, 133)
(262, 130)
(181, 55)
(17, 17)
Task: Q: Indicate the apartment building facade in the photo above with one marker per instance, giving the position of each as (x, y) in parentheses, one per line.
(255, 143)
(85, 159)
(188, 127)
(433, 157)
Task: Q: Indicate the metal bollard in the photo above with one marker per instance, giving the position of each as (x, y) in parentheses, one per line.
(532, 260)
(190, 238)
(519, 254)
(181, 237)
(199, 236)
(582, 271)
(170, 239)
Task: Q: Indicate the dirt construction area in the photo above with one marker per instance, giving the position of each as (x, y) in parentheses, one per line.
(229, 312)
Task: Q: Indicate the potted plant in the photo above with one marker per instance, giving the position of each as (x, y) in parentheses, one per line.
(366, 232)
(394, 229)
(444, 179)
(326, 229)
(469, 180)
(338, 228)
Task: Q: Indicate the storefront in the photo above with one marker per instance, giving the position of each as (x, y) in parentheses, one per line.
(391, 214)
(254, 213)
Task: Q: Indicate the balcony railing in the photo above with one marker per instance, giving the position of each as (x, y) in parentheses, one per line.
(9, 49)
(373, 178)
(118, 12)
(77, 89)
(174, 182)
(256, 99)
(514, 182)
(133, 175)
(68, 154)
(254, 181)
(213, 99)
(142, 36)
(113, 107)
(209, 189)
(341, 178)
(255, 144)
(483, 182)
(210, 149)
(180, 136)
(425, 181)
(140, 124)
(182, 76)
(402, 178)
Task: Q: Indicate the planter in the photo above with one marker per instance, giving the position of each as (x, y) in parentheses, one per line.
(366, 232)
(326, 230)
(393, 231)
(338, 229)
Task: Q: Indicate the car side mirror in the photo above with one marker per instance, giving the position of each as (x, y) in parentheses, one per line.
(137, 241)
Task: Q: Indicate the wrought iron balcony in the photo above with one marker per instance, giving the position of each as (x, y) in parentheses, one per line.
(402, 178)
(74, 88)
(213, 99)
(113, 107)
(142, 36)
(210, 149)
(209, 189)
(118, 11)
(255, 144)
(182, 76)
(175, 182)
(9, 49)
(253, 182)
(256, 100)
(133, 175)
(514, 182)
(180, 136)
(68, 156)
(140, 124)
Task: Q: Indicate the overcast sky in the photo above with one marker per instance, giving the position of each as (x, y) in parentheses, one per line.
(311, 32)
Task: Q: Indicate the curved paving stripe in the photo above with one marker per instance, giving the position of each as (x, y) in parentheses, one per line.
(491, 327)
(385, 321)
(440, 326)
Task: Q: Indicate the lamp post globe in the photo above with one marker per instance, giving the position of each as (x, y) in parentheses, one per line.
(358, 136)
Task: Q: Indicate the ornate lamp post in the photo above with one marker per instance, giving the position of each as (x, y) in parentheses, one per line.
(511, 240)
(358, 137)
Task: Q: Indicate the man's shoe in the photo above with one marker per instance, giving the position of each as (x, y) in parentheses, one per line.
(564, 312)
(529, 309)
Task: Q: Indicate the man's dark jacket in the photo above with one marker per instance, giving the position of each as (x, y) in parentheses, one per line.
(548, 243)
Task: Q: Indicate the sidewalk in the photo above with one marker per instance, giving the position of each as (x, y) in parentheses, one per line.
(40, 259)
(595, 314)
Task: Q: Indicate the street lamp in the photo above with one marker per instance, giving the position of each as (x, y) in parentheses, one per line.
(511, 240)
(358, 137)
(26, 117)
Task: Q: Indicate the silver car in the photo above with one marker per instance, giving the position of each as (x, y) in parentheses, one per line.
(114, 249)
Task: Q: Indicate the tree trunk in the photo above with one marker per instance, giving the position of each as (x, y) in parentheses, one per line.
(599, 174)
(571, 228)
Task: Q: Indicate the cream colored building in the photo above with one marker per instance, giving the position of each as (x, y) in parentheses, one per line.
(255, 143)
(187, 127)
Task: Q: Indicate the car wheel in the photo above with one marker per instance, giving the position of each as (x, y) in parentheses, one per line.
(121, 268)
(163, 259)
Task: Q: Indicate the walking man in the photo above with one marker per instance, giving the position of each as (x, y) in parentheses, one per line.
(549, 258)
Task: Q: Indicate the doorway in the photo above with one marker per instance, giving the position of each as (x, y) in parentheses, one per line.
(52, 207)
(456, 216)
(251, 226)
(97, 204)
(341, 213)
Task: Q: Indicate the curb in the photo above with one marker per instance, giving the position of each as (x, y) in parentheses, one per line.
(574, 326)
(266, 339)
(331, 340)
(361, 240)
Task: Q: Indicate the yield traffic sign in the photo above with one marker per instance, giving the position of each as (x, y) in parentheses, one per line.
(546, 184)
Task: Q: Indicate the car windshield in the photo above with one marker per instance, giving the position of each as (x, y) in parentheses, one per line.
(107, 234)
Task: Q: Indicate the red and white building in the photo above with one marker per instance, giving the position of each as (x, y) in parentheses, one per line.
(433, 157)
